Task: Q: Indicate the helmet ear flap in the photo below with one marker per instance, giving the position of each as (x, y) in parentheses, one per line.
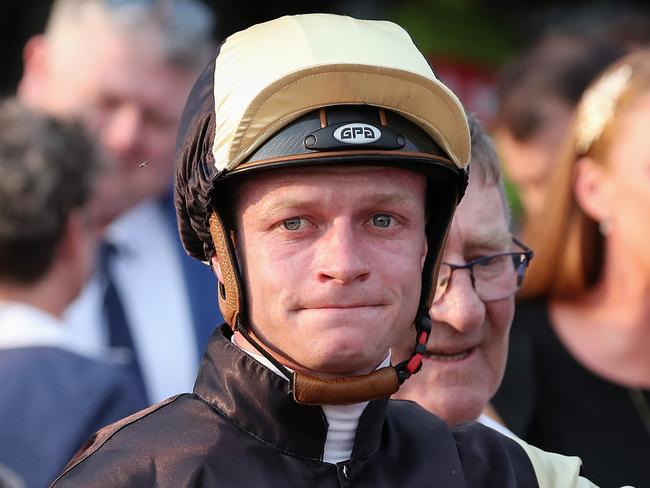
(230, 291)
(445, 194)
(434, 269)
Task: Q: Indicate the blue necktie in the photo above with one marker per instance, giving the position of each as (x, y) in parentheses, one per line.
(119, 333)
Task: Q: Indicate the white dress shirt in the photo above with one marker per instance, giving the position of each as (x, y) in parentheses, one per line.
(149, 278)
(23, 325)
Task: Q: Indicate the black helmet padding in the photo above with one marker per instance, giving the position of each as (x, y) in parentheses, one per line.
(195, 170)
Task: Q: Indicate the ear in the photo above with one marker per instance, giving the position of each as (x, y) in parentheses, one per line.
(591, 188)
(216, 268)
(35, 68)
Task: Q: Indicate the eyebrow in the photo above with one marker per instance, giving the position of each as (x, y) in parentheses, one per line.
(390, 198)
(283, 204)
(380, 199)
(492, 239)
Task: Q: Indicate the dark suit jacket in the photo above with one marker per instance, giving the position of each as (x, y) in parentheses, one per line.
(51, 401)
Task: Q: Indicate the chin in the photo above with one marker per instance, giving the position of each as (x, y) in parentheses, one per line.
(344, 361)
(456, 411)
(453, 404)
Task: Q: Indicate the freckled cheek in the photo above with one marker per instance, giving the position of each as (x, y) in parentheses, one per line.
(276, 269)
(401, 276)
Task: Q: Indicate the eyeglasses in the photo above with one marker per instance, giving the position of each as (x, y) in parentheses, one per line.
(493, 277)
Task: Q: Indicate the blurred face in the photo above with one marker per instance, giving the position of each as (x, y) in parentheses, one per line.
(332, 259)
(627, 187)
(83, 238)
(530, 162)
(467, 349)
(119, 86)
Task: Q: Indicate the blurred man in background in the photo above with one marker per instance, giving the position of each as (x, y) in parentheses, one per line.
(53, 394)
(125, 68)
(537, 94)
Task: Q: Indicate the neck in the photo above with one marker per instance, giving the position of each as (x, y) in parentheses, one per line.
(621, 296)
(607, 329)
(47, 294)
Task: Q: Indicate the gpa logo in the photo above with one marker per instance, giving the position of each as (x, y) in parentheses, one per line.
(357, 133)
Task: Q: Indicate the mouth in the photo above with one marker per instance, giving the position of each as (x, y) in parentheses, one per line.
(338, 306)
(344, 307)
(449, 356)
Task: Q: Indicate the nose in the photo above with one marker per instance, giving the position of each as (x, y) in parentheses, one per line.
(339, 257)
(460, 307)
(122, 130)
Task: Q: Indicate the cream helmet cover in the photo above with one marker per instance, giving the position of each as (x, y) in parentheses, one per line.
(270, 74)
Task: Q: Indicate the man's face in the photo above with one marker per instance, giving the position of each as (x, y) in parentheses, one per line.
(468, 345)
(119, 86)
(530, 163)
(332, 261)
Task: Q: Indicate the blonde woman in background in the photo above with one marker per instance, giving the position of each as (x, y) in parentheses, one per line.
(578, 374)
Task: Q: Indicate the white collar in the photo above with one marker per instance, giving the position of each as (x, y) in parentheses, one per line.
(342, 420)
(493, 424)
(23, 325)
(125, 231)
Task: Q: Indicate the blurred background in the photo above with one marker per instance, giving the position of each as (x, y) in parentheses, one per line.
(520, 67)
(468, 41)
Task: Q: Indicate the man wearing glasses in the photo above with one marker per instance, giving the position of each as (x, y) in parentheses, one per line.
(483, 266)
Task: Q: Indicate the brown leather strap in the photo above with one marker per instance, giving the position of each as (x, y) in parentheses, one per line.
(224, 249)
(309, 390)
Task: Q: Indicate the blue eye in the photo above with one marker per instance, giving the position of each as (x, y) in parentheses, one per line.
(292, 224)
(381, 220)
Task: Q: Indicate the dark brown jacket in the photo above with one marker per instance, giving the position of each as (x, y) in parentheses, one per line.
(241, 428)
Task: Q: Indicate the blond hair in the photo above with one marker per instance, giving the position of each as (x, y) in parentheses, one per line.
(569, 249)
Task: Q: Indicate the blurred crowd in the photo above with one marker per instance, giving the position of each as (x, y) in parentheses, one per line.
(102, 313)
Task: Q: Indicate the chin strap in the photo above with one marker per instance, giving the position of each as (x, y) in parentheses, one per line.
(311, 390)
(414, 364)
(382, 383)
(239, 327)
